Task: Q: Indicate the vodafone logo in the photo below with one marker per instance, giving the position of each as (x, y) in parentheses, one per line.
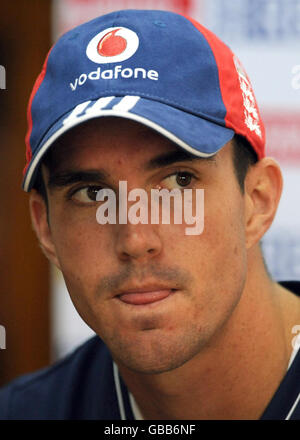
(112, 45)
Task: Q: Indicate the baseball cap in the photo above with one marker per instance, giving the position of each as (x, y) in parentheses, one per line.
(159, 68)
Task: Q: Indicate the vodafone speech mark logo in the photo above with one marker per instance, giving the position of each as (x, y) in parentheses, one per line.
(112, 45)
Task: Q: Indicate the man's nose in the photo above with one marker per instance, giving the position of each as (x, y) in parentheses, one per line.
(138, 242)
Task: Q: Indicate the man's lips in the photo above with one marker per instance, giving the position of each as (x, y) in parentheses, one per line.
(145, 296)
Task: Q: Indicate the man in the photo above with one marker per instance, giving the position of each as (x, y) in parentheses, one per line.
(191, 327)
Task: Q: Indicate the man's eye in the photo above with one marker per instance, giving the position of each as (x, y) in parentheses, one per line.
(180, 179)
(87, 194)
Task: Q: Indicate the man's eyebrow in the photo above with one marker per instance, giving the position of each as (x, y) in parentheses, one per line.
(68, 177)
(65, 178)
(174, 156)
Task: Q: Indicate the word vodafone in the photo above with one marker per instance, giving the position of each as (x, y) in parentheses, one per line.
(118, 71)
(160, 202)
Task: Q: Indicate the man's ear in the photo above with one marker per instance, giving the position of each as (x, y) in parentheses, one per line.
(39, 219)
(263, 187)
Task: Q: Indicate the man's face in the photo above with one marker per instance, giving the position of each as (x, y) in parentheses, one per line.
(201, 277)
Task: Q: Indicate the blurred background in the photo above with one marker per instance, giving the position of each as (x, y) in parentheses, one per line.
(38, 323)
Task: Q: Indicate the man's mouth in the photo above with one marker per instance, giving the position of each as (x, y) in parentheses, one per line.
(146, 295)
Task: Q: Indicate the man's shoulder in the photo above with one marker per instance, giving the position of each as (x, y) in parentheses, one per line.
(292, 286)
(68, 365)
(77, 386)
(285, 404)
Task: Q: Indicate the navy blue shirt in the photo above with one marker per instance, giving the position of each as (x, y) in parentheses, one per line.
(86, 385)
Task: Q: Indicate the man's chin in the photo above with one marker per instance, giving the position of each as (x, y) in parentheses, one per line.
(150, 368)
(157, 358)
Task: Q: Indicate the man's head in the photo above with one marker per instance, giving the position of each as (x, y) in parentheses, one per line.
(154, 294)
(104, 266)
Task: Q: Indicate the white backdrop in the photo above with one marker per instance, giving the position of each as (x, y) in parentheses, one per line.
(265, 34)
